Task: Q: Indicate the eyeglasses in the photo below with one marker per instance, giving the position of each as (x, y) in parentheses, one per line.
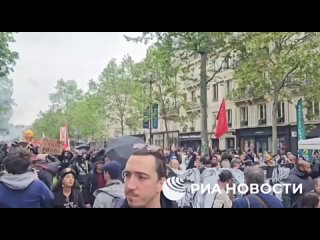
(149, 148)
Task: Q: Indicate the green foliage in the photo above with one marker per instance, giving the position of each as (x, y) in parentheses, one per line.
(7, 57)
(66, 93)
(81, 112)
(192, 50)
(49, 123)
(277, 64)
(7, 61)
(122, 94)
(86, 120)
(6, 101)
(166, 89)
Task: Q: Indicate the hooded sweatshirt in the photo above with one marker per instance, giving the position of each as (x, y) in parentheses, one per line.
(23, 191)
(106, 197)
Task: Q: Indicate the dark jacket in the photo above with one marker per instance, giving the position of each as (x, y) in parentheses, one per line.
(75, 199)
(44, 174)
(82, 169)
(251, 201)
(164, 202)
(290, 199)
(90, 186)
(191, 162)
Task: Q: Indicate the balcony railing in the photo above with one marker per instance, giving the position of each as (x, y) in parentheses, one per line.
(262, 122)
(313, 117)
(280, 120)
(244, 123)
(194, 106)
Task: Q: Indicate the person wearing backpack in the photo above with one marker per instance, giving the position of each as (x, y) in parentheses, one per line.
(255, 175)
(113, 192)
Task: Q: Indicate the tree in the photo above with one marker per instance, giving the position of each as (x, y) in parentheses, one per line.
(203, 45)
(7, 61)
(66, 93)
(86, 119)
(279, 65)
(118, 91)
(7, 57)
(166, 91)
(49, 123)
(6, 101)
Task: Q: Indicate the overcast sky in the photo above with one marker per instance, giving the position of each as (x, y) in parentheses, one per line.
(48, 56)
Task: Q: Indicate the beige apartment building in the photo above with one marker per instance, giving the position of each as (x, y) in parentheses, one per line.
(249, 119)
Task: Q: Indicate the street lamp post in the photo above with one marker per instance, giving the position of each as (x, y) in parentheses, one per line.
(151, 78)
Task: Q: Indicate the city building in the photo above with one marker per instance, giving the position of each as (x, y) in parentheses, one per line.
(249, 118)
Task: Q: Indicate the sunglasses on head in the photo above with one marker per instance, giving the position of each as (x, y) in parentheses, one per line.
(149, 148)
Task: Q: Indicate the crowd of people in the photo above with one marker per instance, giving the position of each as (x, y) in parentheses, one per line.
(87, 178)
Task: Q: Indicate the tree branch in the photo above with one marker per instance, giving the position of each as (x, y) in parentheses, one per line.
(219, 69)
(284, 39)
(286, 76)
(296, 43)
(186, 37)
(271, 61)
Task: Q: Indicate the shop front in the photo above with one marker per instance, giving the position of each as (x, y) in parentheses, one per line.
(173, 138)
(190, 140)
(142, 136)
(259, 140)
(158, 139)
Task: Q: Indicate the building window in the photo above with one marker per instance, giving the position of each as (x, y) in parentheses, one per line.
(244, 116)
(247, 143)
(281, 112)
(229, 87)
(185, 97)
(214, 119)
(214, 65)
(229, 112)
(307, 79)
(158, 139)
(262, 119)
(230, 143)
(226, 64)
(193, 96)
(313, 110)
(215, 92)
(192, 125)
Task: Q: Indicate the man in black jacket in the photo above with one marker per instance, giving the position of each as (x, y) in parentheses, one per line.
(95, 178)
(298, 176)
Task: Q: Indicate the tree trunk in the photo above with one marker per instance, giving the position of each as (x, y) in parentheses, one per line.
(165, 118)
(275, 124)
(166, 134)
(122, 125)
(203, 103)
(166, 142)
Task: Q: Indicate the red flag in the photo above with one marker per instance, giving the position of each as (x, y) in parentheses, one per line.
(222, 126)
(64, 137)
